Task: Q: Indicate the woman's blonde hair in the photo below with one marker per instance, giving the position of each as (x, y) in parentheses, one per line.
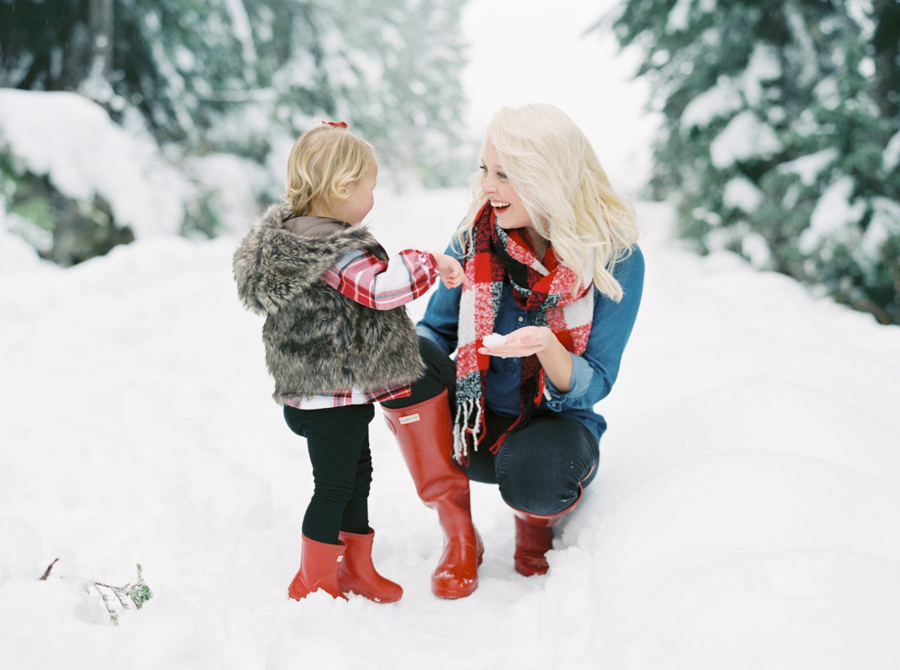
(555, 172)
(323, 162)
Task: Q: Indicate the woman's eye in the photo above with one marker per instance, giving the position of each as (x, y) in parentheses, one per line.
(482, 168)
(502, 175)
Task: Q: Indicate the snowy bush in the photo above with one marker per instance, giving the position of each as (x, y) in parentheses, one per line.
(77, 184)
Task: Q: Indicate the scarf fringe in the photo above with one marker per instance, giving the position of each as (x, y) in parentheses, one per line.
(463, 426)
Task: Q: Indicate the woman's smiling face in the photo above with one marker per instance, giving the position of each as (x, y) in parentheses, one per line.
(508, 207)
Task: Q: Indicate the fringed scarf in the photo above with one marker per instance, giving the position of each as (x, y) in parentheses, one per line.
(544, 288)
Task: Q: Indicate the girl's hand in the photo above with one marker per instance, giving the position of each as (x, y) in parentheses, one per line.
(451, 271)
(522, 342)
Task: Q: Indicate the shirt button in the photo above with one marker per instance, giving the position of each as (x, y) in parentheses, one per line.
(521, 319)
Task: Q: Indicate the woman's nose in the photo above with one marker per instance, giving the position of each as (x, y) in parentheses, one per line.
(488, 185)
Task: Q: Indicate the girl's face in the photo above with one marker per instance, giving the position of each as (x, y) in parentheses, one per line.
(508, 207)
(355, 208)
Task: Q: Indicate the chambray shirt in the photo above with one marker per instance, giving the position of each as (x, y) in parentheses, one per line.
(593, 373)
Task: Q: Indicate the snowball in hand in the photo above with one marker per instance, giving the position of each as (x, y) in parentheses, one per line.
(494, 340)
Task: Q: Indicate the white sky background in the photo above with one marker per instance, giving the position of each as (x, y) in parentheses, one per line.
(536, 51)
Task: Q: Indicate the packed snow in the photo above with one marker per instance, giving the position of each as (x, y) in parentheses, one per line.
(493, 340)
(746, 513)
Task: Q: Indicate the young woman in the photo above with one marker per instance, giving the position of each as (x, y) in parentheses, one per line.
(551, 252)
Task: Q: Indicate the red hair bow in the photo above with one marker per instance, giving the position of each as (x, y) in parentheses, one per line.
(336, 124)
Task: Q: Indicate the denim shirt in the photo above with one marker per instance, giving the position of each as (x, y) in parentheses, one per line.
(593, 372)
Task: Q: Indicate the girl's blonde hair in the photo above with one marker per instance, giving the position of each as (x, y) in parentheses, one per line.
(323, 162)
(555, 172)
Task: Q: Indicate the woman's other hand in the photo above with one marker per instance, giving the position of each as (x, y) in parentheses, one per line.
(522, 342)
(539, 340)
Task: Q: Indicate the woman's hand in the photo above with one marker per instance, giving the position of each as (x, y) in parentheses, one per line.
(452, 273)
(539, 340)
(522, 342)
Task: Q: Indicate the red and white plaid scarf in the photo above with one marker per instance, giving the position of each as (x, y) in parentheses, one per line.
(496, 256)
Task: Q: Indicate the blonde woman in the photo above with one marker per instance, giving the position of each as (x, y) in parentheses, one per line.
(556, 277)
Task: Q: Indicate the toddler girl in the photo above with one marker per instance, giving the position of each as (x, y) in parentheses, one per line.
(337, 340)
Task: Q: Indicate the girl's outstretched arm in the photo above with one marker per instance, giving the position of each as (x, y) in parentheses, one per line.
(383, 285)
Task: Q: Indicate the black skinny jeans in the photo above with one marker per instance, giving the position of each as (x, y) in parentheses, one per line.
(338, 443)
(539, 467)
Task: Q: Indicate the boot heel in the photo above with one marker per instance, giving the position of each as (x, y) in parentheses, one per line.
(534, 538)
(319, 564)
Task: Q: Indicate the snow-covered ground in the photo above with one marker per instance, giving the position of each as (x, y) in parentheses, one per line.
(746, 514)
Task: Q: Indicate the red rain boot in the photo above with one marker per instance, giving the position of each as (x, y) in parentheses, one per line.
(424, 433)
(357, 574)
(318, 569)
(534, 538)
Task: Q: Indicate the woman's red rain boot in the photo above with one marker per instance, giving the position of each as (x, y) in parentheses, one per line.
(357, 574)
(534, 538)
(318, 569)
(424, 432)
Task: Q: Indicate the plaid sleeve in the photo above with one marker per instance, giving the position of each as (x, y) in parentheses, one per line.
(382, 285)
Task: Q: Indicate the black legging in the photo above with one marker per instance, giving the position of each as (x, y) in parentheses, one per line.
(539, 467)
(338, 443)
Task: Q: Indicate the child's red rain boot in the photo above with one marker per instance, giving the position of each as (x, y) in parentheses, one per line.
(318, 569)
(534, 538)
(356, 573)
(424, 433)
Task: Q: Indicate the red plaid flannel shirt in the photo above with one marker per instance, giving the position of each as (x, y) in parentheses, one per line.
(376, 284)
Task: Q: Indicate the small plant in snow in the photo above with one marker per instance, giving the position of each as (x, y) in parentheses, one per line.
(124, 597)
(116, 599)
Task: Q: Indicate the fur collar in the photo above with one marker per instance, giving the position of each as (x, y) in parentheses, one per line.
(273, 264)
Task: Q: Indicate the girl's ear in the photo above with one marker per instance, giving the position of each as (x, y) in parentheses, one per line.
(342, 190)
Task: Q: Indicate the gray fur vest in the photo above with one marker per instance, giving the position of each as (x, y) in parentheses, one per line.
(317, 340)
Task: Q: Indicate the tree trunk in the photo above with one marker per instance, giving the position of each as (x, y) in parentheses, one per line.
(101, 25)
(886, 42)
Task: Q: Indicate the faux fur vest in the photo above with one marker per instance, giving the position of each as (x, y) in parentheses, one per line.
(317, 340)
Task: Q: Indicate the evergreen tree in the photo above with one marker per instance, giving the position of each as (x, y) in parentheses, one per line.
(31, 37)
(231, 74)
(782, 134)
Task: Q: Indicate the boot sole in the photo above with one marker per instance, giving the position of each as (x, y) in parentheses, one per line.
(454, 592)
(457, 592)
